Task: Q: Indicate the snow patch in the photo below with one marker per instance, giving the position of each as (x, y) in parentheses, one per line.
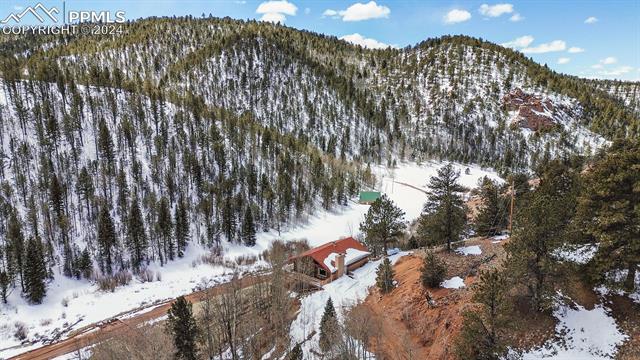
(585, 334)
(580, 254)
(455, 282)
(499, 238)
(469, 250)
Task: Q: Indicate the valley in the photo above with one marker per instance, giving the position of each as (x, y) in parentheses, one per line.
(157, 187)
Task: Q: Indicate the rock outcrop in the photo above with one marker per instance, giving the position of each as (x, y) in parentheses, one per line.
(532, 112)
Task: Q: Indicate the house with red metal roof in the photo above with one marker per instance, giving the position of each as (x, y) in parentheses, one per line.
(331, 260)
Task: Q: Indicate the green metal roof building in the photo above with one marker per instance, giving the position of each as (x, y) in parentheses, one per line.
(368, 197)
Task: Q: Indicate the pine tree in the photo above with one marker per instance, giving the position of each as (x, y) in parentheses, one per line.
(182, 326)
(56, 196)
(444, 215)
(384, 276)
(248, 228)
(136, 236)
(165, 228)
(182, 226)
(329, 327)
(481, 336)
(85, 265)
(35, 271)
(433, 271)
(105, 142)
(382, 224)
(107, 240)
(609, 210)
(84, 187)
(4, 285)
(541, 225)
(15, 246)
(228, 218)
(296, 353)
(492, 214)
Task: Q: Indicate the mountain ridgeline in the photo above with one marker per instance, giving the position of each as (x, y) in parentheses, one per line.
(119, 150)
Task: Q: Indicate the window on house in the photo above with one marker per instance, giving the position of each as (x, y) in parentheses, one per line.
(322, 273)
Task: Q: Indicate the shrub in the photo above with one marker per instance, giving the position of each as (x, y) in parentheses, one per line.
(21, 330)
(246, 260)
(433, 271)
(106, 283)
(384, 276)
(110, 282)
(213, 258)
(123, 278)
(145, 275)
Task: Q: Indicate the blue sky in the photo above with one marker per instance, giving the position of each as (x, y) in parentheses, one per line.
(585, 38)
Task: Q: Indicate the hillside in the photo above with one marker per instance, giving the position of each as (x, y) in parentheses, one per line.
(627, 92)
(118, 153)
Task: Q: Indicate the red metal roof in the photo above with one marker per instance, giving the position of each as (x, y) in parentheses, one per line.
(318, 254)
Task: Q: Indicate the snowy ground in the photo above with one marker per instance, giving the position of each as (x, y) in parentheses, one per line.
(345, 222)
(86, 304)
(585, 334)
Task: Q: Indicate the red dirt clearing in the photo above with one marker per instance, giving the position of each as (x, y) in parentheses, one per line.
(411, 327)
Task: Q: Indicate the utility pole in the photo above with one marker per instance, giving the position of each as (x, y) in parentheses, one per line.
(513, 191)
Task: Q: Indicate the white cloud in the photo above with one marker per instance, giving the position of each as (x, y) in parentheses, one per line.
(597, 66)
(279, 6)
(591, 20)
(359, 12)
(563, 60)
(609, 60)
(495, 10)
(555, 45)
(520, 42)
(18, 7)
(273, 17)
(330, 13)
(620, 70)
(575, 50)
(456, 16)
(276, 11)
(516, 17)
(358, 39)
(615, 72)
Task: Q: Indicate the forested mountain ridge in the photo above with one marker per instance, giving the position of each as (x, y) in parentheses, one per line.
(116, 151)
(456, 79)
(626, 91)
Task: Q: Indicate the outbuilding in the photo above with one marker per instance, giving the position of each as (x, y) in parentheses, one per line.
(368, 197)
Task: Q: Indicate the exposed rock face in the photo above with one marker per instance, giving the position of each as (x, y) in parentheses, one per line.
(533, 112)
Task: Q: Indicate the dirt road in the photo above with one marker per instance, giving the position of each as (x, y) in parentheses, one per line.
(95, 333)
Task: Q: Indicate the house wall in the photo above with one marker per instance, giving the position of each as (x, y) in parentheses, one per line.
(357, 264)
